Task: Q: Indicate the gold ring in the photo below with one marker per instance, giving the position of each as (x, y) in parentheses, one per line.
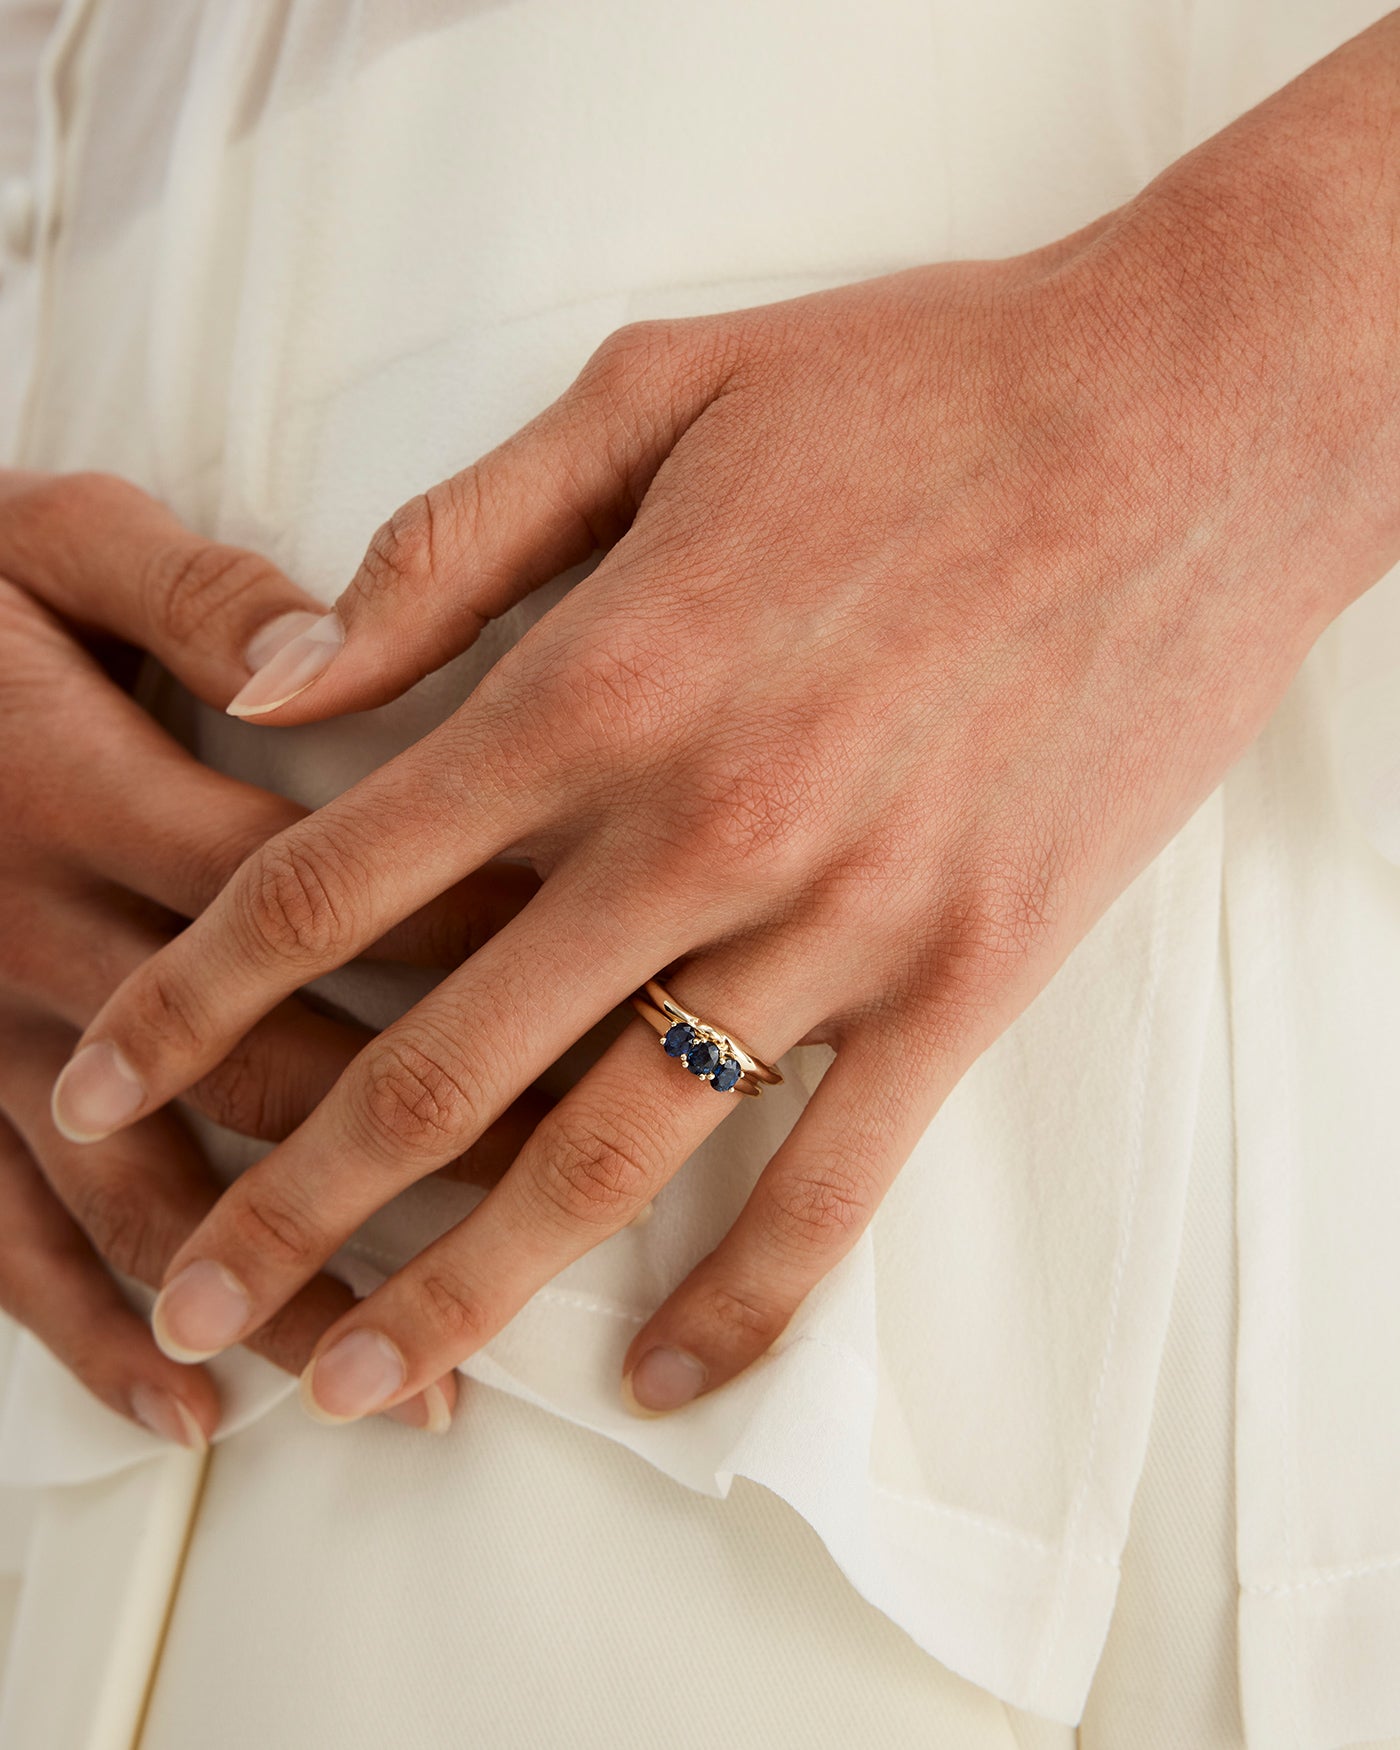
(708, 1052)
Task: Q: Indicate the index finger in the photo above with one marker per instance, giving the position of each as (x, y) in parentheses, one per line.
(305, 902)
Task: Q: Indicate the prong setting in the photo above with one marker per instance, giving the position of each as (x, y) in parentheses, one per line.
(708, 1053)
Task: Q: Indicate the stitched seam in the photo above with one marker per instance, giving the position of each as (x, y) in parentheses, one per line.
(995, 1527)
(1288, 1190)
(1322, 1577)
(1165, 876)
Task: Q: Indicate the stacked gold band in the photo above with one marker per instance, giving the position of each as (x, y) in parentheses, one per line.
(707, 1052)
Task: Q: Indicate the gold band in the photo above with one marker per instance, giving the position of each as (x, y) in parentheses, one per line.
(681, 1033)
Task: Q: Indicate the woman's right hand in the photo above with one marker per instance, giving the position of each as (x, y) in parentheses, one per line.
(113, 837)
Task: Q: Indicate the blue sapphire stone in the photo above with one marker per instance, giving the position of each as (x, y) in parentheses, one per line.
(678, 1039)
(726, 1075)
(702, 1058)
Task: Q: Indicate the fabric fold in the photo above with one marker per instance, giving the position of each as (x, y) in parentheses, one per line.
(224, 315)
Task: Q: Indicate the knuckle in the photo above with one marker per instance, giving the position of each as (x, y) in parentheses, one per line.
(112, 1210)
(1009, 911)
(415, 1104)
(161, 1006)
(453, 1311)
(592, 1175)
(211, 861)
(293, 897)
(625, 691)
(185, 586)
(265, 1224)
(631, 354)
(684, 357)
(238, 1094)
(758, 824)
(401, 558)
(739, 1322)
(818, 1209)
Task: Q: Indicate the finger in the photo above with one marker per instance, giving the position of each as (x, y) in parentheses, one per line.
(449, 929)
(272, 1077)
(422, 1093)
(138, 1195)
(279, 1074)
(605, 1151)
(104, 554)
(808, 1208)
(304, 903)
(123, 801)
(115, 795)
(460, 554)
(53, 1283)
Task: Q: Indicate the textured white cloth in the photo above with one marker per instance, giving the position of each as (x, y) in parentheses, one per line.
(289, 265)
(333, 1595)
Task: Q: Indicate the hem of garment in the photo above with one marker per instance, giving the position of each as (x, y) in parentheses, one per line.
(972, 1591)
(1317, 1667)
(1331, 1634)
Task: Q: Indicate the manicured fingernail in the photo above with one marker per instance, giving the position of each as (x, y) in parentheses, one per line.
(428, 1411)
(275, 636)
(201, 1312)
(290, 668)
(353, 1377)
(167, 1417)
(96, 1092)
(662, 1380)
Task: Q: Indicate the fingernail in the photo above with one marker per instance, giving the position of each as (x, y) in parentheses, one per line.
(642, 1217)
(662, 1380)
(275, 636)
(201, 1312)
(96, 1091)
(290, 668)
(428, 1411)
(167, 1417)
(353, 1377)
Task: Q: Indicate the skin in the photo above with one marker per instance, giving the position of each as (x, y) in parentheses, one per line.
(114, 836)
(931, 607)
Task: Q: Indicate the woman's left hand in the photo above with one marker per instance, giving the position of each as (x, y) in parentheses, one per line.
(933, 607)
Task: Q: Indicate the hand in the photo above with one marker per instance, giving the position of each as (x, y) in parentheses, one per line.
(114, 835)
(932, 608)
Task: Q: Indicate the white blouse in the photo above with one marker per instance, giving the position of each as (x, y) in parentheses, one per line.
(284, 266)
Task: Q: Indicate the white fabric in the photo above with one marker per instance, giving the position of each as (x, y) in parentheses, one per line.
(332, 1595)
(587, 1599)
(103, 1567)
(291, 264)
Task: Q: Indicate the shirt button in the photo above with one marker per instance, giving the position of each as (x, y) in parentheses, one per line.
(17, 222)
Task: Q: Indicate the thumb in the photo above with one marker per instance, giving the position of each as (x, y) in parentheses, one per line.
(104, 554)
(462, 553)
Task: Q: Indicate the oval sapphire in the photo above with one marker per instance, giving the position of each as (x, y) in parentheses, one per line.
(678, 1039)
(702, 1058)
(726, 1075)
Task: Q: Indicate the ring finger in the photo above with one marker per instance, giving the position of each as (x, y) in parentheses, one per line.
(419, 1095)
(606, 1149)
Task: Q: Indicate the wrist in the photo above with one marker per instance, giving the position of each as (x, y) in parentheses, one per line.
(1242, 315)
